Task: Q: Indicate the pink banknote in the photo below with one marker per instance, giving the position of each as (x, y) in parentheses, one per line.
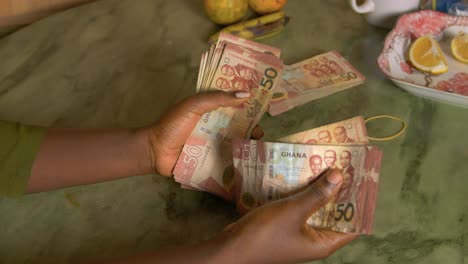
(313, 79)
(206, 159)
(269, 171)
(350, 132)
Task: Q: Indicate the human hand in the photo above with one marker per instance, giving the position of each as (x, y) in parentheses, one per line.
(278, 233)
(167, 137)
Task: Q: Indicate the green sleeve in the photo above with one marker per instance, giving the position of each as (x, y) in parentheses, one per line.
(19, 145)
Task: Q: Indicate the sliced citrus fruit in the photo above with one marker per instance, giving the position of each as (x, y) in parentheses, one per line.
(459, 46)
(425, 55)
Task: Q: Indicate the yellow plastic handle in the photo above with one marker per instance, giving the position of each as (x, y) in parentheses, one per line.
(397, 134)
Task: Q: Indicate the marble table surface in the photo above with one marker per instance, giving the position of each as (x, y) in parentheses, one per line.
(123, 63)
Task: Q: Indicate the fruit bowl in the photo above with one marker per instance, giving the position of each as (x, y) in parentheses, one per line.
(449, 87)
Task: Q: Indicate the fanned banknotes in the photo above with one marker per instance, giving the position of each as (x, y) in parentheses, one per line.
(267, 171)
(313, 79)
(232, 64)
(219, 158)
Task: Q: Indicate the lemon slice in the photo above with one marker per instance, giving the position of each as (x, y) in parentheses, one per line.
(425, 55)
(459, 46)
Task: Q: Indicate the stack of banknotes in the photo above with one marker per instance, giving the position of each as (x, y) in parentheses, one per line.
(219, 158)
(266, 171)
(232, 64)
(313, 79)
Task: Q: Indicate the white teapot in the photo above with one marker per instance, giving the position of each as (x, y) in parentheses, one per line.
(384, 13)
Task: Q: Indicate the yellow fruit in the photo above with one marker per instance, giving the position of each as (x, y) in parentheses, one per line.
(266, 6)
(459, 46)
(426, 55)
(226, 12)
(257, 28)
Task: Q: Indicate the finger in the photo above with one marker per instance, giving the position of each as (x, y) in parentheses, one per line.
(257, 133)
(229, 228)
(206, 102)
(318, 194)
(332, 241)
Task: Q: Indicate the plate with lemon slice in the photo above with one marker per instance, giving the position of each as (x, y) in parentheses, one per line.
(427, 55)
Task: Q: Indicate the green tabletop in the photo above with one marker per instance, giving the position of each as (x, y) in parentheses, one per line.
(123, 63)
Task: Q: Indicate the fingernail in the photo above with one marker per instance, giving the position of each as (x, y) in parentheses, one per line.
(334, 177)
(242, 95)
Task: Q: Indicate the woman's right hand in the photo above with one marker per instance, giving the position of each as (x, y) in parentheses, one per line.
(278, 233)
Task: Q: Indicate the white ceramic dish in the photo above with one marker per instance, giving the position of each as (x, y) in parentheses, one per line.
(450, 87)
(436, 95)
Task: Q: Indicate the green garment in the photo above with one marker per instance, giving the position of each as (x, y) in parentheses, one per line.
(18, 147)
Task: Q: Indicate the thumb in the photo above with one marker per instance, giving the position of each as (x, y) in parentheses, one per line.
(318, 194)
(206, 102)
